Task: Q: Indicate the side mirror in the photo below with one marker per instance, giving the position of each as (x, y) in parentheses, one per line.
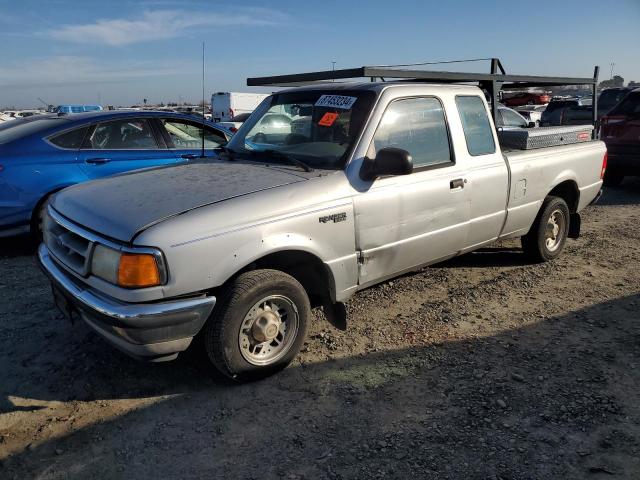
(388, 161)
(531, 125)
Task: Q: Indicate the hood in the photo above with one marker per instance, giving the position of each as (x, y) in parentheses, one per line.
(121, 206)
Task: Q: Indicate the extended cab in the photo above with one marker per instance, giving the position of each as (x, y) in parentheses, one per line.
(368, 180)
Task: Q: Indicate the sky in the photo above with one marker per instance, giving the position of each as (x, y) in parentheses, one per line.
(118, 52)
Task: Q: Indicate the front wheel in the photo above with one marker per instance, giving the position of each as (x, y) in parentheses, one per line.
(549, 231)
(258, 326)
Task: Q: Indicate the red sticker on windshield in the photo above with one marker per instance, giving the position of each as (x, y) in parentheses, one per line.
(328, 119)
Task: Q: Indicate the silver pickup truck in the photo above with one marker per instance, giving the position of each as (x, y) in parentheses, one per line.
(324, 191)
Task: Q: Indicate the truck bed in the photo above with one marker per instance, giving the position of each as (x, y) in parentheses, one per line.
(532, 172)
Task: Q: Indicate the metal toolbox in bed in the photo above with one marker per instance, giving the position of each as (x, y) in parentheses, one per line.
(531, 138)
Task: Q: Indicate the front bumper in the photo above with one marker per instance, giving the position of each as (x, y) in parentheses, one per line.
(150, 331)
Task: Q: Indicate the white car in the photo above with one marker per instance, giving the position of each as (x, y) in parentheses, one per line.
(533, 113)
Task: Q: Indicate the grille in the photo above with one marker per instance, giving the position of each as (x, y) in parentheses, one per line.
(69, 247)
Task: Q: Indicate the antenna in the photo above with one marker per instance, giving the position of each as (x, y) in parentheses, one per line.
(203, 104)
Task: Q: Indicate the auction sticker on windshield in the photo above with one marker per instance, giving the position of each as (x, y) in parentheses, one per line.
(336, 101)
(328, 119)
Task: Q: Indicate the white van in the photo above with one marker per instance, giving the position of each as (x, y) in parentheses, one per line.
(226, 105)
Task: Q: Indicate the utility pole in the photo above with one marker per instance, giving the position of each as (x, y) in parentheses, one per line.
(333, 68)
(612, 65)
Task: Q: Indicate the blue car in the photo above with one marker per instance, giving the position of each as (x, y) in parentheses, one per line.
(77, 108)
(46, 153)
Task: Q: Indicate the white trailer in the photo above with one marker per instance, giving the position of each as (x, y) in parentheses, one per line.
(226, 105)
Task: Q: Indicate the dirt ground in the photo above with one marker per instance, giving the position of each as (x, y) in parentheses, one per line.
(484, 367)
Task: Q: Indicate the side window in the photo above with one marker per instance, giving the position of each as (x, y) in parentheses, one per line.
(188, 135)
(72, 139)
(130, 134)
(418, 126)
(476, 126)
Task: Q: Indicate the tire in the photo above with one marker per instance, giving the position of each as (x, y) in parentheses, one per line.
(613, 179)
(548, 234)
(232, 338)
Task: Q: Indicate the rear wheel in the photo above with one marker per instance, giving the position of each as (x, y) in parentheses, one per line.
(548, 234)
(258, 326)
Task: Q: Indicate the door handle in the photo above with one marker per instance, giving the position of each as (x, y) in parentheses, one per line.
(189, 156)
(457, 183)
(97, 161)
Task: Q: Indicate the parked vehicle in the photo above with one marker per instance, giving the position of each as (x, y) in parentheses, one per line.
(8, 115)
(533, 113)
(18, 114)
(527, 98)
(509, 118)
(236, 122)
(43, 154)
(554, 113)
(610, 97)
(226, 105)
(77, 108)
(620, 130)
(374, 179)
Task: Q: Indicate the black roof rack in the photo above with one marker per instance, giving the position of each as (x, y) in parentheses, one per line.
(494, 81)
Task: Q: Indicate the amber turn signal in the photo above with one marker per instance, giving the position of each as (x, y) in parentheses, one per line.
(138, 270)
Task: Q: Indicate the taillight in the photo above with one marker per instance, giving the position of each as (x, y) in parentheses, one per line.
(233, 129)
(604, 165)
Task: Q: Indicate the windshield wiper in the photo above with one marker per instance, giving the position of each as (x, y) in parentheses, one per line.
(278, 154)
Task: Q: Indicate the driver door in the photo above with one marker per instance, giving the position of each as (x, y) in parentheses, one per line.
(405, 221)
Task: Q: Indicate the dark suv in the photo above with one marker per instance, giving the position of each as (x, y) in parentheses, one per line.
(620, 130)
(610, 97)
(555, 111)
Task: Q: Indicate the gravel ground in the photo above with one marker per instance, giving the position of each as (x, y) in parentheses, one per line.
(483, 367)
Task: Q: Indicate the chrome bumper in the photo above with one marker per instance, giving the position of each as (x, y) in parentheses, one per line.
(153, 331)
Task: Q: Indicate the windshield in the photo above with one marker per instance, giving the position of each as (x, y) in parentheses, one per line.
(314, 126)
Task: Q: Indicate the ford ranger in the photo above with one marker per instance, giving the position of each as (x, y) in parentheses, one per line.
(362, 182)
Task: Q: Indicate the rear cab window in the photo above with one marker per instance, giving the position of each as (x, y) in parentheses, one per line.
(475, 123)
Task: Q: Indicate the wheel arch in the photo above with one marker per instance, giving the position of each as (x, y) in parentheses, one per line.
(306, 267)
(567, 190)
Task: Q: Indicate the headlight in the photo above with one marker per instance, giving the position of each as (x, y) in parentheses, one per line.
(126, 269)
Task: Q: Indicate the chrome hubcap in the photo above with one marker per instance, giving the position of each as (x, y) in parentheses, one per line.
(554, 231)
(268, 330)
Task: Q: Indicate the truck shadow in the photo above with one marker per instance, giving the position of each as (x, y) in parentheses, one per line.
(494, 407)
(20, 246)
(628, 193)
(494, 256)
